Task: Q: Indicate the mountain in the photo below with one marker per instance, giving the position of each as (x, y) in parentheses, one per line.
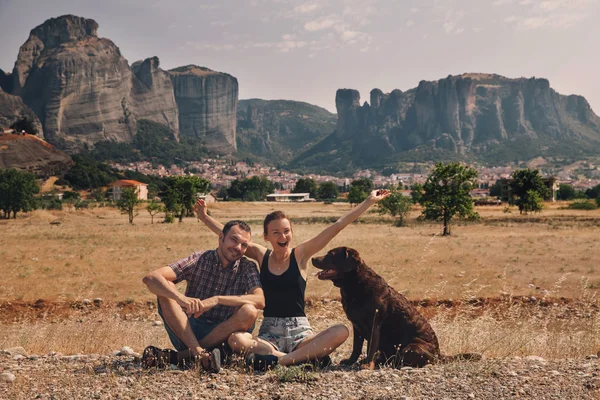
(32, 154)
(207, 101)
(482, 117)
(276, 130)
(83, 90)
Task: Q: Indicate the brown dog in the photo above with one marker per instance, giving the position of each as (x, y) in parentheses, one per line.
(396, 333)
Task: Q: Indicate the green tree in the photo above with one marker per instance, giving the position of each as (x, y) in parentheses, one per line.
(68, 195)
(524, 183)
(565, 192)
(496, 189)
(24, 124)
(250, 189)
(327, 191)
(17, 190)
(128, 201)
(89, 174)
(359, 190)
(306, 185)
(396, 204)
(416, 190)
(447, 192)
(222, 193)
(532, 202)
(181, 194)
(593, 192)
(153, 208)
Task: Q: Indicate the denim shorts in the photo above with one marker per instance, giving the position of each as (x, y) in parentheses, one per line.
(285, 334)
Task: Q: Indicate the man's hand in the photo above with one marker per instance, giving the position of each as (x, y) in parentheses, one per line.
(200, 208)
(196, 307)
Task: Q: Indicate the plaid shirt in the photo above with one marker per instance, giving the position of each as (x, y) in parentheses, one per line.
(206, 278)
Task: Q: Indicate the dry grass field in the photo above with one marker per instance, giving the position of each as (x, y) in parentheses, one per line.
(524, 264)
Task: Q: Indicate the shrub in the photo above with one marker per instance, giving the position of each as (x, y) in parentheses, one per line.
(582, 205)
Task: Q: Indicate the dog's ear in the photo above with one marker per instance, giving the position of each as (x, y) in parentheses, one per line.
(353, 260)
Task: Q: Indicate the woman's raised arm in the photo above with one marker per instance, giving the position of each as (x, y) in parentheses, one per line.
(307, 249)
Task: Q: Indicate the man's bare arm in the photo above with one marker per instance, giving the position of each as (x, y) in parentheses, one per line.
(160, 282)
(256, 298)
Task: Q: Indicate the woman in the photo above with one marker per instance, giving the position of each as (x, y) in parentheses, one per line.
(285, 336)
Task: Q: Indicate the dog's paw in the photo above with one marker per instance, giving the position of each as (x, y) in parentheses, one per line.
(368, 366)
(347, 361)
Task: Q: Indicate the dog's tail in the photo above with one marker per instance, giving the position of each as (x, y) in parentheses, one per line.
(461, 357)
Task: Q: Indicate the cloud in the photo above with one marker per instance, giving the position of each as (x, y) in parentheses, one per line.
(551, 14)
(320, 24)
(211, 46)
(414, 10)
(284, 46)
(498, 3)
(410, 23)
(306, 8)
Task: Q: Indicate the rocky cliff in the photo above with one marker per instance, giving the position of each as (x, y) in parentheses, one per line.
(468, 115)
(12, 109)
(207, 102)
(82, 88)
(32, 154)
(278, 129)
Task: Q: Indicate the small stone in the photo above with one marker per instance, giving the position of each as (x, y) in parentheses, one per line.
(555, 373)
(126, 351)
(15, 350)
(531, 286)
(7, 377)
(18, 357)
(97, 301)
(87, 302)
(535, 359)
(471, 395)
(157, 323)
(592, 357)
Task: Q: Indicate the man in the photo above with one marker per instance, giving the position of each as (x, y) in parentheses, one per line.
(222, 296)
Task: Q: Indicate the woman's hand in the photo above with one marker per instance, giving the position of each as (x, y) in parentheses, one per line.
(200, 209)
(377, 195)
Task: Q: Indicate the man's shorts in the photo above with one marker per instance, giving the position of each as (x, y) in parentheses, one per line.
(200, 326)
(285, 334)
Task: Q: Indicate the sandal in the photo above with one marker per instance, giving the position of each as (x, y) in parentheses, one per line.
(213, 361)
(153, 357)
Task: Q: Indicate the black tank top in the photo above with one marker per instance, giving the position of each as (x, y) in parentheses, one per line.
(284, 294)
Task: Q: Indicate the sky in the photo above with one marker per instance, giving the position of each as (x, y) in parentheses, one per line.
(306, 50)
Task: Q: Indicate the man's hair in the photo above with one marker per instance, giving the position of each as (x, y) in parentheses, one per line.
(236, 222)
(274, 216)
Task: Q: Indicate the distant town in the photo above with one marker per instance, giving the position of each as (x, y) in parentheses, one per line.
(221, 172)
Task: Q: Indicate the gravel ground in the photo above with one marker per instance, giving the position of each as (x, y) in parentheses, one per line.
(53, 376)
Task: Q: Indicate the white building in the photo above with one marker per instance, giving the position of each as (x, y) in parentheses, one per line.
(118, 186)
(289, 197)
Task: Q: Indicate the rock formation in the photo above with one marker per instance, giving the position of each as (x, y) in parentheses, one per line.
(82, 88)
(207, 102)
(461, 114)
(32, 154)
(13, 109)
